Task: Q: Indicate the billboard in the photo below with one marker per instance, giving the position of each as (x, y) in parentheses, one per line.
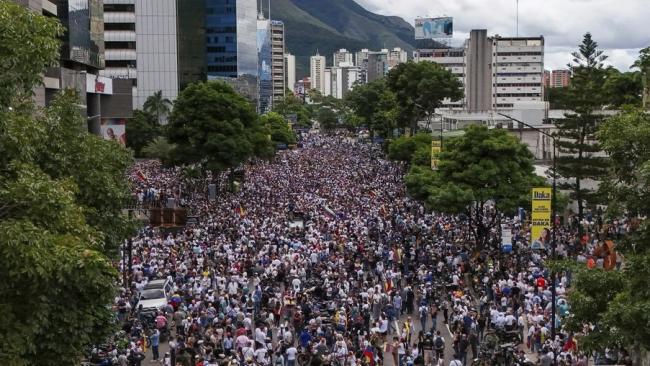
(436, 148)
(540, 218)
(434, 28)
(114, 129)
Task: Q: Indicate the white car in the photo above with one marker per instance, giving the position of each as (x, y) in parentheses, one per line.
(155, 295)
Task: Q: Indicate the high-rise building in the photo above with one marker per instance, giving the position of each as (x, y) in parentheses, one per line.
(519, 67)
(265, 61)
(290, 71)
(317, 68)
(377, 65)
(120, 39)
(156, 49)
(327, 90)
(560, 78)
(479, 74)
(279, 68)
(191, 40)
(361, 58)
(343, 56)
(231, 29)
(497, 72)
(104, 102)
(396, 56)
(341, 79)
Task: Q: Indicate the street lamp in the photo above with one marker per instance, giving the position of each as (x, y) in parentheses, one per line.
(553, 208)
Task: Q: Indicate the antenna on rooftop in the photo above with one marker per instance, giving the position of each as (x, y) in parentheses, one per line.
(517, 18)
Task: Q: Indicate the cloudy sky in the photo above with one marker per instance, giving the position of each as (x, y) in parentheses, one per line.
(621, 27)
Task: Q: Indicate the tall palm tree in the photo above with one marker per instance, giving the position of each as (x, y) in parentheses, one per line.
(643, 64)
(158, 106)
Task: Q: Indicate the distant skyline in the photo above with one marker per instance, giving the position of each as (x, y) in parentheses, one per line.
(621, 27)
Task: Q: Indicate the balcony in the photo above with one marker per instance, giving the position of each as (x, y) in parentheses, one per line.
(119, 73)
(119, 36)
(49, 7)
(118, 2)
(120, 55)
(119, 17)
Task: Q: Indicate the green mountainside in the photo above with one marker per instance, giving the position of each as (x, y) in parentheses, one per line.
(328, 25)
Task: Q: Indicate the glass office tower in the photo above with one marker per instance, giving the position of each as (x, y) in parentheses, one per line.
(83, 41)
(231, 38)
(265, 88)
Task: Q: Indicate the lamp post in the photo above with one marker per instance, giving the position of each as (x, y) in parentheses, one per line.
(553, 208)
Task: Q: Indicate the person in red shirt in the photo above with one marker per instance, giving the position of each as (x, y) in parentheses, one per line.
(541, 282)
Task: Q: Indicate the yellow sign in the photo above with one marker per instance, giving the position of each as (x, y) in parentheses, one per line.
(436, 148)
(540, 217)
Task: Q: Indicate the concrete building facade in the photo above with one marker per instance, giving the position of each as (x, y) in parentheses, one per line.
(560, 78)
(317, 72)
(156, 49)
(290, 71)
(496, 72)
(279, 67)
(342, 56)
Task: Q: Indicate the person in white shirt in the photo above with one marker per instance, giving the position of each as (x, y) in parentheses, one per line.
(291, 355)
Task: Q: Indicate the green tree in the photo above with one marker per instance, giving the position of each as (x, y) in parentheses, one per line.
(420, 88)
(375, 105)
(579, 159)
(556, 97)
(158, 106)
(623, 88)
(22, 66)
(291, 104)
(643, 64)
(481, 168)
(278, 128)
(141, 130)
(616, 302)
(159, 148)
(61, 195)
(327, 118)
(214, 126)
(405, 147)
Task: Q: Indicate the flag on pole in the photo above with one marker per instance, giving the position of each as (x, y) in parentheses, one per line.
(141, 175)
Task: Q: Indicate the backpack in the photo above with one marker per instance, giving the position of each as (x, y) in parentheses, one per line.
(439, 343)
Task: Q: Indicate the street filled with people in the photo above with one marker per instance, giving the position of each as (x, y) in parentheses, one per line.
(320, 257)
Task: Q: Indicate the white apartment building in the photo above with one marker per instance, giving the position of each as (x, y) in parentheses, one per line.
(279, 66)
(290, 71)
(396, 56)
(343, 56)
(317, 72)
(518, 69)
(327, 81)
(496, 72)
(341, 79)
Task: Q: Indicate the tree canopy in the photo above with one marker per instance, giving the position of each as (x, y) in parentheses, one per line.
(616, 302)
(214, 126)
(420, 88)
(278, 128)
(158, 106)
(376, 107)
(481, 167)
(141, 130)
(61, 195)
(291, 104)
(579, 157)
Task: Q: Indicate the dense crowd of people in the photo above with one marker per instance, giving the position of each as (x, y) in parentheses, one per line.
(321, 257)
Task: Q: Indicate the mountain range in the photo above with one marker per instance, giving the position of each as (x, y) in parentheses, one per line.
(325, 26)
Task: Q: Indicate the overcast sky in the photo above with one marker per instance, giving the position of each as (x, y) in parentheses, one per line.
(621, 27)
